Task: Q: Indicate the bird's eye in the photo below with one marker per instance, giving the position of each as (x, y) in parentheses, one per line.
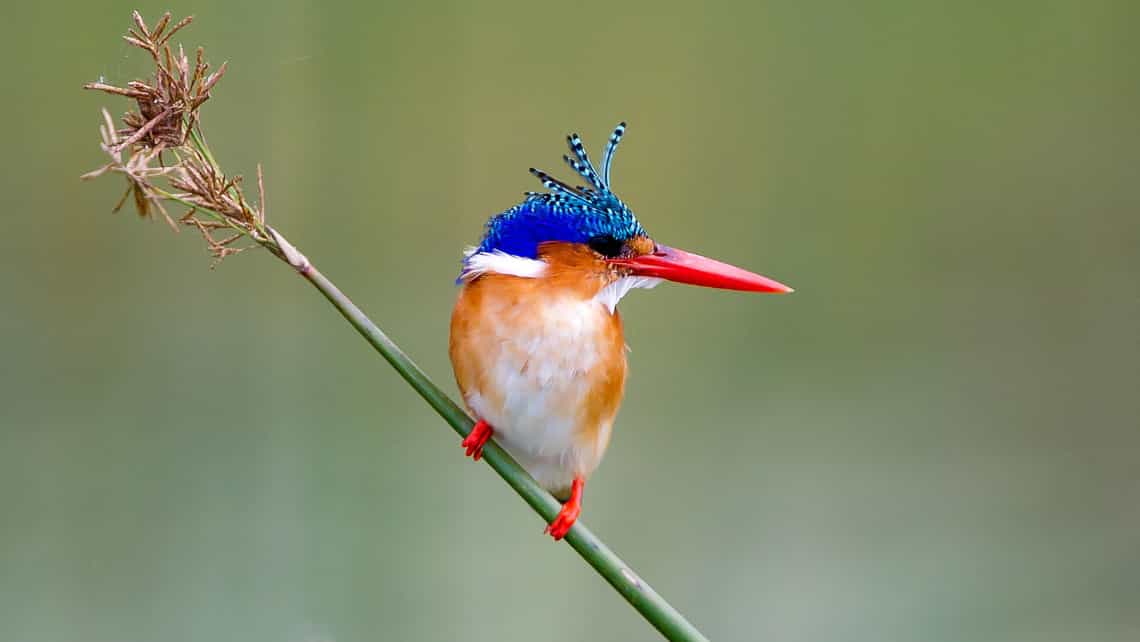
(606, 245)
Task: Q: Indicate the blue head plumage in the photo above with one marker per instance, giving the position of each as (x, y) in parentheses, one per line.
(582, 214)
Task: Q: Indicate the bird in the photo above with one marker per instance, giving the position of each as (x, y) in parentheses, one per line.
(536, 340)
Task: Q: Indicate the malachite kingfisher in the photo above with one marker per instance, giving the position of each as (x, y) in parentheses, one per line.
(536, 339)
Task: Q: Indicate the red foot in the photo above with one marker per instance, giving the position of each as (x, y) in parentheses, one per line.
(475, 440)
(569, 513)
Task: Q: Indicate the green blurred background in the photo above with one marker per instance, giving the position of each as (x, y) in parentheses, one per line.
(935, 438)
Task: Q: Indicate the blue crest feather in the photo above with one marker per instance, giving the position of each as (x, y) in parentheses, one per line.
(565, 213)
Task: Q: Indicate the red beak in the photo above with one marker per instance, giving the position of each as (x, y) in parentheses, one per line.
(684, 267)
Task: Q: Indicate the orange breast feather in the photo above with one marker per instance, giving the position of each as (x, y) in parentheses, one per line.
(543, 363)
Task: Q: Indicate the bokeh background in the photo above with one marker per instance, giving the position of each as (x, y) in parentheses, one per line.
(935, 438)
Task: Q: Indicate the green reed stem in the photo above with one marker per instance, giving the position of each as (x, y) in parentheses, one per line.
(225, 205)
(636, 591)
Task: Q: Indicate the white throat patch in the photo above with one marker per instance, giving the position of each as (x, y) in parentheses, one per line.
(499, 262)
(612, 293)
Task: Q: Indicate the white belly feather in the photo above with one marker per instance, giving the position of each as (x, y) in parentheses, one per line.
(542, 371)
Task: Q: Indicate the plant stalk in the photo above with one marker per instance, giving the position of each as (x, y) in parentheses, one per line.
(200, 185)
(636, 591)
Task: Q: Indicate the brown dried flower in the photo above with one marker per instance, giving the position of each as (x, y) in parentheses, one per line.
(167, 127)
(167, 106)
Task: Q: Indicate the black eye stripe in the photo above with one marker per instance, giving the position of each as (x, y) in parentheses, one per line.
(606, 245)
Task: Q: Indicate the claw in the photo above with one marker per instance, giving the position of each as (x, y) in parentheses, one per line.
(569, 513)
(561, 524)
(477, 438)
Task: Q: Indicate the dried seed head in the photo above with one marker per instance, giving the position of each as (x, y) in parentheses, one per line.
(166, 121)
(168, 104)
